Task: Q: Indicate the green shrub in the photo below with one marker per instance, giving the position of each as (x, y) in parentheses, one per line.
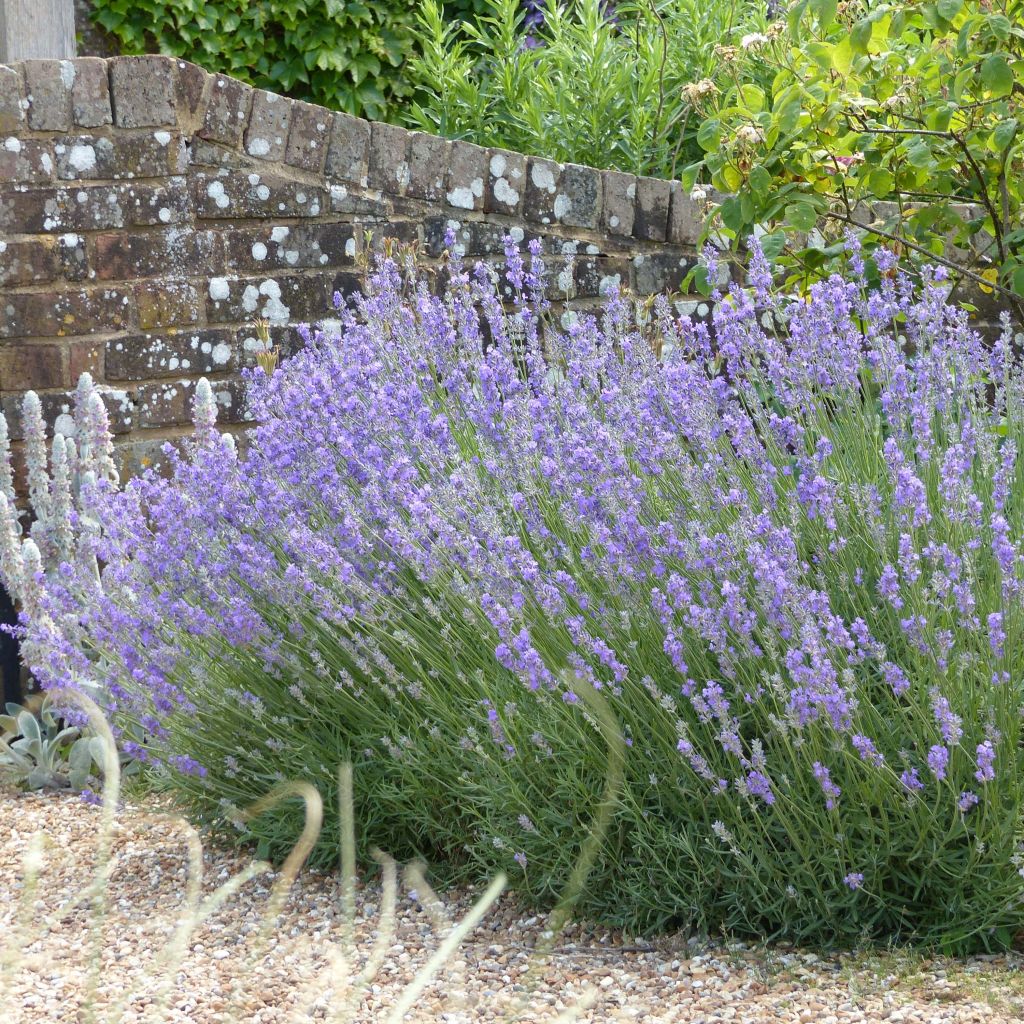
(915, 104)
(594, 90)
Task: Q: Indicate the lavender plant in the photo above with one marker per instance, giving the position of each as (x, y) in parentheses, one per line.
(785, 554)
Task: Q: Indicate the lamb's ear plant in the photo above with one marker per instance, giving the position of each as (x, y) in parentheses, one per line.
(40, 751)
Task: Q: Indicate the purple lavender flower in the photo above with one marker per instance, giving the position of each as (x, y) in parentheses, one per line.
(828, 787)
(938, 761)
(966, 801)
(854, 880)
(986, 755)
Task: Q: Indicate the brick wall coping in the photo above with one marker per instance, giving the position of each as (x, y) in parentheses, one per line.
(329, 147)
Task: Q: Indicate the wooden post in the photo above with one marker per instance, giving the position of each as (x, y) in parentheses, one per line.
(36, 28)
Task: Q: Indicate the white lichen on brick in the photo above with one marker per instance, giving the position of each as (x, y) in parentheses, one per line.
(82, 158)
(220, 289)
(505, 193)
(215, 190)
(543, 177)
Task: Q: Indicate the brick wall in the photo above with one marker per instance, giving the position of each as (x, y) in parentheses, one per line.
(149, 211)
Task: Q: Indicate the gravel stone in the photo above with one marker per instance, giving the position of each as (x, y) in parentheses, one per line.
(493, 976)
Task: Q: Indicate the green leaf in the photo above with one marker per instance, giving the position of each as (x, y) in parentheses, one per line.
(773, 243)
(801, 216)
(709, 135)
(1017, 281)
(1005, 133)
(753, 98)
(842, 56)
(760, 181)
(949, 9)
(860, 36)
(821, 54)
(825, 11)
(880, 183)
(996, 75)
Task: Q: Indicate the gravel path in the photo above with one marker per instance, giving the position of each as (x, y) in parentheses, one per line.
(490, 978)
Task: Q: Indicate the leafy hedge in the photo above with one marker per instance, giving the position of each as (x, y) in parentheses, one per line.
(344, 54)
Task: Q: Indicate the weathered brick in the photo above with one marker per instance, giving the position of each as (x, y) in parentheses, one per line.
(29, 262)
(90, 93)
(25, 160)
(48, 90)
(652, 202)
(34, 211)
(278, 298)
(685, 222)
(163, 303)
(72, 256)
(144, 91)
(169, 403)
(485, 238)
(267, 134)
(658, 272)
(133, 156)
(159, 204)
(135, 457)
(31, 366)
(595, 276)
(312, 245)
(389, 158)
(506, 182)
(236, 194)
(404, 232)
(343, 202)
(85, 357)
(215, 154)
(227, 111)
(543, 183)
(619, 202)
(69, 312)
(581, 190)
(308, 137)
(348, 154)
(172, 352)
(428, 166)
(345, 285)
(12, 116)
(124, 256)
(467, 172)
(190, 94)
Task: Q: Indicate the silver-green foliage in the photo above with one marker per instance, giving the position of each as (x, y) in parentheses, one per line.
(45, 752)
